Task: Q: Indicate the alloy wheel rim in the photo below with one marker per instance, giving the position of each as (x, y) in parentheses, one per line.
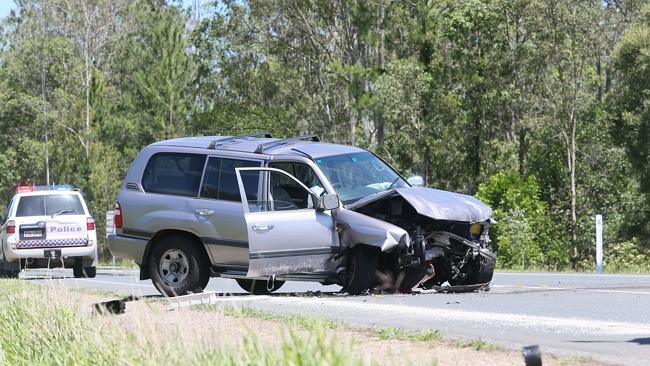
(174, 267)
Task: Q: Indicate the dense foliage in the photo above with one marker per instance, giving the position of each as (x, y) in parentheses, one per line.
(538, 106)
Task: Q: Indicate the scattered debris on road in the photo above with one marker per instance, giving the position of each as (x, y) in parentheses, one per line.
(532, 355)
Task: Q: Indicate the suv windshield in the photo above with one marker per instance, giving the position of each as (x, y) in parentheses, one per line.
(355, 176)
(42, 205)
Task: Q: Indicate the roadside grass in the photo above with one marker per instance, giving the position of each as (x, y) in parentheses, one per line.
(311, 322)
(401, 334)
(478, 344)
(44, 326)
(92, 291)
(117, 263)
(292, 320)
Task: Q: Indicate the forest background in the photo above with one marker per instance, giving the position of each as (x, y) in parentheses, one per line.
(541, 108)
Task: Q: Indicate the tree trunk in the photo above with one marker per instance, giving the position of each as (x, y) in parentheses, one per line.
(87, 75)
(382, 66)
(523, 150)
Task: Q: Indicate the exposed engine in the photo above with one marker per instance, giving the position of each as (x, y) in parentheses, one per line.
(459, 253)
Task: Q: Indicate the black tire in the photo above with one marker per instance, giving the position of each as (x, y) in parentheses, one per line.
(191, 266)
(480, 272)
(361, 271)
(7, 273)
(258, 287)
(483, 270)
(79, 271)
(90, 272)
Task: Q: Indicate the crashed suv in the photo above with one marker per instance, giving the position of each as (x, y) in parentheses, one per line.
(262, 211)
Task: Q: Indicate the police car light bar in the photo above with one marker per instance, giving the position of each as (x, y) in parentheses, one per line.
(53, 187)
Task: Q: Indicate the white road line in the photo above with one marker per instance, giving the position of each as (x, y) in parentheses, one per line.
(476, 318)
(572, 289)
(572, 274)
(113, 283)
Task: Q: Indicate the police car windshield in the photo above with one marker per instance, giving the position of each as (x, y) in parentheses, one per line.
(61, 204)
(355, 176)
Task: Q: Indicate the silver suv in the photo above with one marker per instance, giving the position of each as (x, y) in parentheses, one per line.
(262, 211)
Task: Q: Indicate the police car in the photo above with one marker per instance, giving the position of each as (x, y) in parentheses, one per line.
(47, 227)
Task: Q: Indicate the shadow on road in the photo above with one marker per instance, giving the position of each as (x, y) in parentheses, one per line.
(639, 341)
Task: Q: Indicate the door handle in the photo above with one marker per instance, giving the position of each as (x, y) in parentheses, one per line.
(260, 228)
(203, 211)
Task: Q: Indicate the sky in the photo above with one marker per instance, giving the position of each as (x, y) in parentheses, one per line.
(5, 7)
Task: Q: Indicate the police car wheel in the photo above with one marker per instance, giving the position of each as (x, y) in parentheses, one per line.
(9, 273)
(177, 267)
(90, 272)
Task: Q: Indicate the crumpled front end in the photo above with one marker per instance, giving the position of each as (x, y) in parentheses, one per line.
(452, 230)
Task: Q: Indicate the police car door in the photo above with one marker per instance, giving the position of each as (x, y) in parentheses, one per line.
(287, 234)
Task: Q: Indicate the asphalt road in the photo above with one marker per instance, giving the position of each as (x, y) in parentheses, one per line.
(605, 317)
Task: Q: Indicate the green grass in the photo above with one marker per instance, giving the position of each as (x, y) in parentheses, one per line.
(406, 334)
(44, 326)
(478, 344)
(121, 263)
(105, 293)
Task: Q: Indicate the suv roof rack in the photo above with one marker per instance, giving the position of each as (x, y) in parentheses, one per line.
(262, 148)
(226, 140)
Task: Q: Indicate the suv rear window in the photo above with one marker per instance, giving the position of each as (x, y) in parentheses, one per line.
(62, 204)
(174, 173)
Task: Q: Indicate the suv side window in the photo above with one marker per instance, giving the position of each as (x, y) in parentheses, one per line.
(284, 193)
(174, 173)
(304, 173)
(220, 181)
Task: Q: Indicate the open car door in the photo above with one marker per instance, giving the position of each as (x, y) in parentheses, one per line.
(287, 233)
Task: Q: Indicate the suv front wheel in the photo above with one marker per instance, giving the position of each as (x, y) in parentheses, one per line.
(177, 267)
(363, 263)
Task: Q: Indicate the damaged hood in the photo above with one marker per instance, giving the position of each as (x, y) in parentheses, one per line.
(436, 204)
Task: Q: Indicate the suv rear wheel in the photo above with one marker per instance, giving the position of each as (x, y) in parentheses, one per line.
(363, 263)
(177, 267)
(258, 287)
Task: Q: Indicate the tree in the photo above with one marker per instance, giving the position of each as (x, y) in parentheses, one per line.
(629, 103)
(165, 73)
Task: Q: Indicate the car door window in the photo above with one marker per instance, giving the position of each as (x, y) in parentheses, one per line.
(210, 186)
(282, 194)
(304, 173)
(228, 189)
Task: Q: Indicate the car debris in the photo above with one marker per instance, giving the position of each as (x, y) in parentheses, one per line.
(532, 355)
(112, 307)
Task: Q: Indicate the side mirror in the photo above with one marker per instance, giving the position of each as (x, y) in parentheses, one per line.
(328, 201)
(416, 181)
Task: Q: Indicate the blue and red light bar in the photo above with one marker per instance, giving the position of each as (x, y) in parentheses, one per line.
(52, 187)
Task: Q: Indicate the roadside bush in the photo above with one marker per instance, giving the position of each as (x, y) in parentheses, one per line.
(525, 237)
(627, 256)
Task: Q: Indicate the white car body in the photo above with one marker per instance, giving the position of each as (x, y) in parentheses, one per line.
(48, 239)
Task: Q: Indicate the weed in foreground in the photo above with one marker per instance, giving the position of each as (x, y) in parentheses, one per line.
(43, 326)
